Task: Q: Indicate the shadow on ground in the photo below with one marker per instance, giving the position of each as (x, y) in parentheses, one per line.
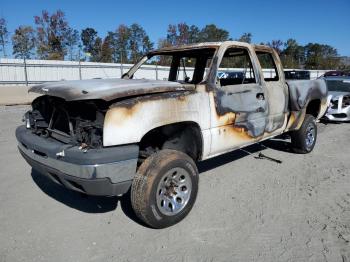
(99, 204)
(82, 202)
(330, 122)
(278, 143)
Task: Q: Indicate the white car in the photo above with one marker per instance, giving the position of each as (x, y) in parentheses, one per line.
(338, 98)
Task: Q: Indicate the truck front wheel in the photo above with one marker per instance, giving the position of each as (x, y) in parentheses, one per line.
(304, 139)
(164, 188)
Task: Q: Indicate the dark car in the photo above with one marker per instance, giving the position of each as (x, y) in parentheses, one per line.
(336, 73)
(297, 75)
(231, 75)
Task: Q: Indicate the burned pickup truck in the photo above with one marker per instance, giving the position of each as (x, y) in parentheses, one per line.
(144, 136)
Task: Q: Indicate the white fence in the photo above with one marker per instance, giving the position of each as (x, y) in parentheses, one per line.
(14, 71)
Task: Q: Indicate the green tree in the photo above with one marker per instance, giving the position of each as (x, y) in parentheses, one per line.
(88, 38)
(139, 42)
(245, 37)
(164, 60)
(92, 43)
(319, 56)
(96, 50)
(182, 34)
(193, 34)
(122, 35)
(3, 35)
(171, 36)
(211, 33)
(51, 34)
(107, 50)
(23, 42)
(292, 55)
(147, 44)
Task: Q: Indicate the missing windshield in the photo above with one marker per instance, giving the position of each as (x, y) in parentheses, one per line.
(177, 66)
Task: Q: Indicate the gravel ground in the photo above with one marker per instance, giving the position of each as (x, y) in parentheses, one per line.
(247, 209)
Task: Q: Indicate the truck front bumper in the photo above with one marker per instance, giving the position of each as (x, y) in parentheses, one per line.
(104, 172)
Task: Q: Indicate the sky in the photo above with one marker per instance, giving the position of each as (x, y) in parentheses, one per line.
(322, 21)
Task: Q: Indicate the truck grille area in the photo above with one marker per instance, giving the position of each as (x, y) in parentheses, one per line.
(77, 122)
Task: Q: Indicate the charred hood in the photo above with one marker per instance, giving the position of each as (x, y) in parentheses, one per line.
(107, 89)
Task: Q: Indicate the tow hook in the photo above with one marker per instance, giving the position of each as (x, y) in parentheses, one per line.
(60, 154)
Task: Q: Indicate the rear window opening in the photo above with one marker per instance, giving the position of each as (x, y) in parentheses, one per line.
(268, 64)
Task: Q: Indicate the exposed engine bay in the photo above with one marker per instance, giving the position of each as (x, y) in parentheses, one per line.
(74, 122)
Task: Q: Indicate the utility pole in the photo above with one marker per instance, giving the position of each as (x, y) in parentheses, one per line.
(157, 71)
(25, 70)
(121, 63)
(79, 62)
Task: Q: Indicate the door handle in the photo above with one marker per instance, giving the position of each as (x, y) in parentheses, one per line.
(260, 96)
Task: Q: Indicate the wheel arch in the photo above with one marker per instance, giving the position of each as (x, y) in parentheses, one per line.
(185, 136)
(314, 107)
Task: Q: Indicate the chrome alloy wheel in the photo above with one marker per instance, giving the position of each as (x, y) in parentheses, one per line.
(173, 191)
(310, 135)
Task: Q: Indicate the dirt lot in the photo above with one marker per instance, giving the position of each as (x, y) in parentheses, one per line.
(247, 209)
(15, 95)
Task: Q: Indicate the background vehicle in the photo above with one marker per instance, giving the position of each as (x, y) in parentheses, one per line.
(338, 98)
(230, 74)
(108, 136)
(297, 74)
(336, 73)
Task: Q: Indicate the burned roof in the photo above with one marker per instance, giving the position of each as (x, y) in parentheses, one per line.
(206, 45)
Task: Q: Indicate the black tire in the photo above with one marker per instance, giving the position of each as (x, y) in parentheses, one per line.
(304, 139)
(153, 202)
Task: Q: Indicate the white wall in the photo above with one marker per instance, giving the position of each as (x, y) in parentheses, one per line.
(12, 71)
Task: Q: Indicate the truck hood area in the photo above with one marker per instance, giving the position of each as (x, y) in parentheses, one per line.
(107, 89)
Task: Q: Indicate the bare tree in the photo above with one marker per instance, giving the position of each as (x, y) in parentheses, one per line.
(277, 45)
(51, 35)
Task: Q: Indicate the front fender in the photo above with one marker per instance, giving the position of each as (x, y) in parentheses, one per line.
(129, 120)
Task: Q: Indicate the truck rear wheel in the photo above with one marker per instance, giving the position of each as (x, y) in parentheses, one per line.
(164, 188)
(304, 139)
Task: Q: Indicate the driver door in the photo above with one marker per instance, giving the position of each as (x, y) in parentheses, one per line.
(241, 108)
